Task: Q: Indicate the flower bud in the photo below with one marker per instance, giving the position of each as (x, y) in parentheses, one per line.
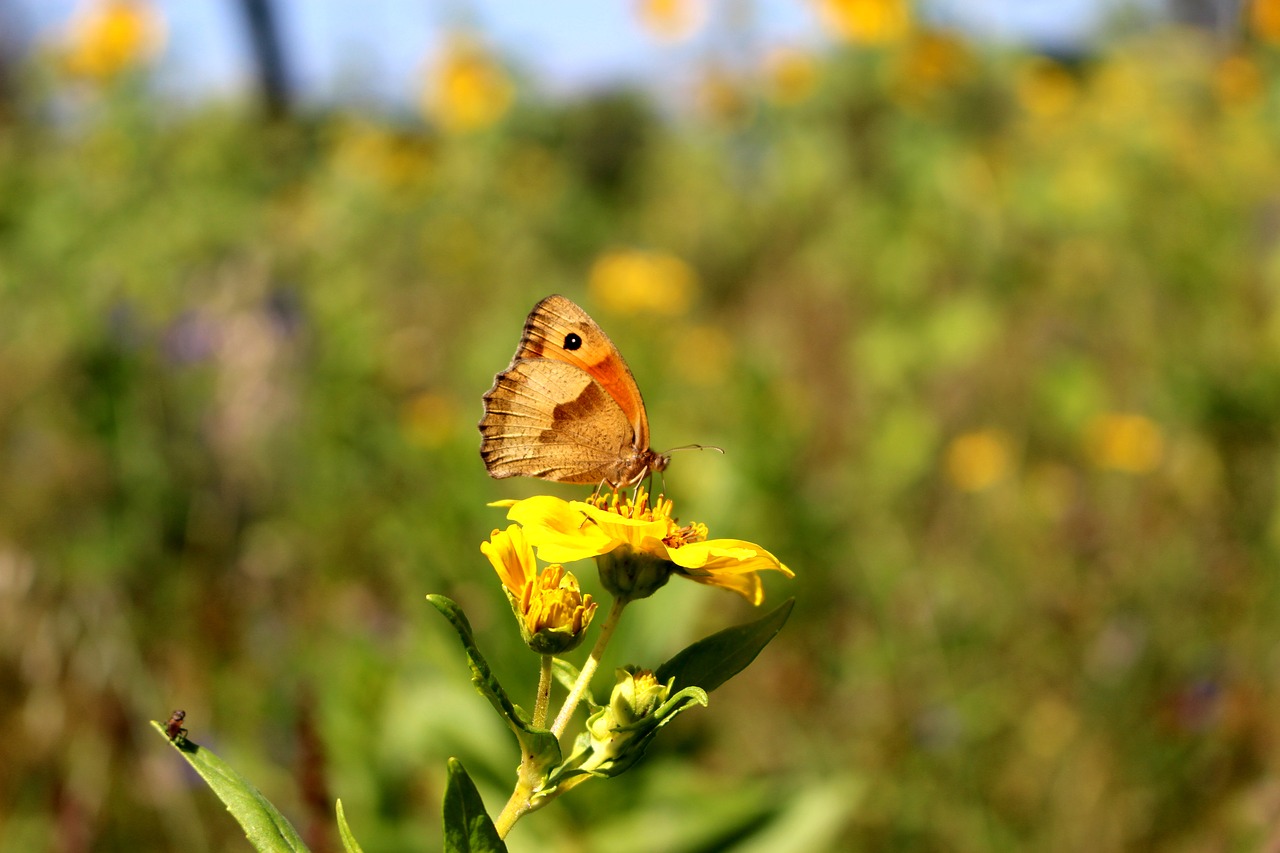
(630, 574)
(620, 730)
(552, 612)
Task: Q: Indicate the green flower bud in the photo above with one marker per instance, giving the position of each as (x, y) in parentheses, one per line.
(630, 574)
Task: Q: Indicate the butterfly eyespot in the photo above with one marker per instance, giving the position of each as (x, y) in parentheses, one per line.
(572, 341)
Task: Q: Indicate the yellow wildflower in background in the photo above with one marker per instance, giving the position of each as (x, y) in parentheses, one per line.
(1238, 81)
(1264, 19)
(790, 75)
(978, 460)
(110, 36)
(369, 152)
(869, 22)
(629, 281)
(467, 89)
(633, 530)
(930, 62)
(720, 95)
(1044, 88)
(1125, 442)
(671, 20)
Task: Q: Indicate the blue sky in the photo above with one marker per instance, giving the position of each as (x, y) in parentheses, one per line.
(378, 48)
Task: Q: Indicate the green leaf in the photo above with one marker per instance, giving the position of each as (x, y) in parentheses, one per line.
(539, 748)
(467, 826)
(713, 660)
(264, 826)
(349, 842)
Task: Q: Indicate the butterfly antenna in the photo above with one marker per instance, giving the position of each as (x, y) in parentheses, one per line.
(697, 447)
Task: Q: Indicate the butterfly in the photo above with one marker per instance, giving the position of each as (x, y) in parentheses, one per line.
(567, 408)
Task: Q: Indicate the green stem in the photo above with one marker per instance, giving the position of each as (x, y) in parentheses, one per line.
(588, 669)
(516, 807)
(544, 693)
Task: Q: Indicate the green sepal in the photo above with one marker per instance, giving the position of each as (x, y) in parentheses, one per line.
(643, 731)
(467, 826)
(349, 843)
(713, 660)
(263, 825)
(629, 741)
(540, 750)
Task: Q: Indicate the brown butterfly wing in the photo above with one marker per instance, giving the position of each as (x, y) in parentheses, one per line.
(549, 419)
(548, 334)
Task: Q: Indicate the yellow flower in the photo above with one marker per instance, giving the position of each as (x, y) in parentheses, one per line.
(867, 21)
(549, 605)
(720, 97)
(1125, 442)
(630, 280)
(110, 36)
(790, 76)
(931, 62)
(645, 544)
(1238, 81)
(1264, 18)
(467, 90)
(671, 20)
(978, 460)
(1045, 88)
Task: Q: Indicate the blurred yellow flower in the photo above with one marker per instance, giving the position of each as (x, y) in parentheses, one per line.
(720, 96)
(371, 152)
(467, 89)
(790, 75)
(931, 61)
(1045, 89)
(110, 36)
(671, 20)
(1124, 442)
(978, 460)
(629, 281)
(866, 21)
(641, 541)
(430, 420)
(1238, 81)
(1264, 19)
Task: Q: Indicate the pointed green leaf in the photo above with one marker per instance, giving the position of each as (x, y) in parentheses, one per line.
(349, 842)
(713, 660)
(264, 826)
(540, 748)
(467, 826)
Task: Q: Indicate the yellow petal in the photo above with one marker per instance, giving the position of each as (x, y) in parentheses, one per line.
(747, 585)
(559, 532)
(511, 556)
(735, 556)
(638, 533)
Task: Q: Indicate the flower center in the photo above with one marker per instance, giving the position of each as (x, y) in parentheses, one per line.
(637, 509)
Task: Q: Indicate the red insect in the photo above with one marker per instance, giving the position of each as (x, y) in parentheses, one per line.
(173, 728)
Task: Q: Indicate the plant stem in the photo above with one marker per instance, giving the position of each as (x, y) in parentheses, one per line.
(515, 807)
(588, 669)
(544, 693)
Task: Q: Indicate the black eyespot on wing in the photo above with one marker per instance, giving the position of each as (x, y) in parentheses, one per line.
(572, 341)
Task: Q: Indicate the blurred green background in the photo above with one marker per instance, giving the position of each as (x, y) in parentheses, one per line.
(991, 339)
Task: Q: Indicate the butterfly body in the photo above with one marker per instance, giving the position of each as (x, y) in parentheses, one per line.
(567, 408)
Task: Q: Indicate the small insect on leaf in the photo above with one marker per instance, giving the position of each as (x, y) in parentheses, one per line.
(173, 728)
